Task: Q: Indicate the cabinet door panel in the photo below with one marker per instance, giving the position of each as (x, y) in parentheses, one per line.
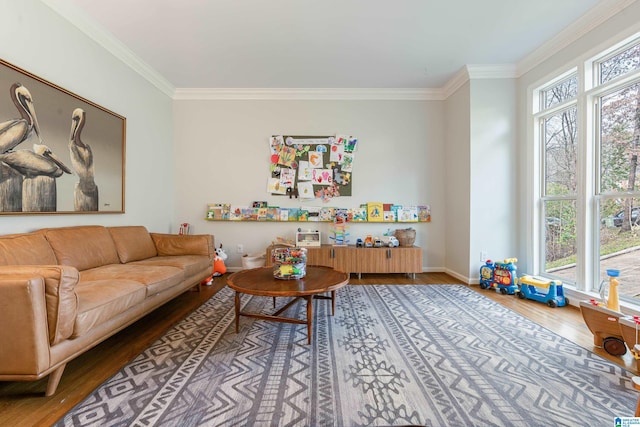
(320, 256)
(405, 260)
(345, 259)
(372, 260)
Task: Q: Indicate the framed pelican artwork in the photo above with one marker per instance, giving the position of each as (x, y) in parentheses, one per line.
(59, 152)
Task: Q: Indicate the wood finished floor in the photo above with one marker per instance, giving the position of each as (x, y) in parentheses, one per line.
(24, 404)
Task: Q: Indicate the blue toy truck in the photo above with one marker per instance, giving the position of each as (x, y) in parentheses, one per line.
(534, 288)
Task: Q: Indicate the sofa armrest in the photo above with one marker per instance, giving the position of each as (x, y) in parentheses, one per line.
(24, 337)
(185, 244)
(58, 297)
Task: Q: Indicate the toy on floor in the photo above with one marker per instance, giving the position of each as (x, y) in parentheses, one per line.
(500, 276)
(635, 381)
(539, 289)
(630, 331)
(218, 266)
(218, 262)
(486, 274)
(605, 325)
(612, 340)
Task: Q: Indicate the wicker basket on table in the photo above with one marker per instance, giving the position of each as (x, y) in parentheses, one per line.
(406, 237)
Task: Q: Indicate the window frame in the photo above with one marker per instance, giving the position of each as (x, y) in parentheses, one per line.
(588, 170)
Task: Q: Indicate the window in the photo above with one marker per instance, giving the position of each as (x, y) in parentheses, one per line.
(559, 141)
(589, 197)
(617, 64)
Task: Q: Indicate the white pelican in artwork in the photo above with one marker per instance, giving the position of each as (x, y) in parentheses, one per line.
(86, 190)
(39, 162)
(13, 132)
(40, 169)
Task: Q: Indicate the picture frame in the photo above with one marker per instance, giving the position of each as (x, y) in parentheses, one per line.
(59, 152)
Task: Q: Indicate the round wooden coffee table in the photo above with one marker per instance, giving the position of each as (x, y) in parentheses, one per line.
(260, 281)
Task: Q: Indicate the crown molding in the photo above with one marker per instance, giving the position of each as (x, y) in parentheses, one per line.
(491, 71)
(587, 22)
(455, 82)
(364, 94)
(106, 40)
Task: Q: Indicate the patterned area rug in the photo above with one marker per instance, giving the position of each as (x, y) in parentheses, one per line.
(429, 355)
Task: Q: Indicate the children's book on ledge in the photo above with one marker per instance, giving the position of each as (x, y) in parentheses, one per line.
(367, 212)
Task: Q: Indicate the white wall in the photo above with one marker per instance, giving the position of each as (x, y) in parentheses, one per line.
(223, 157)
(493, 181)
(38, 40)
(456, 176)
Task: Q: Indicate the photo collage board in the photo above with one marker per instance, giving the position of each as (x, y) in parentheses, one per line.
(311, 167)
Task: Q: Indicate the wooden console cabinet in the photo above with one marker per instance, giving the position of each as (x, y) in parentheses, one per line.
(351, 259)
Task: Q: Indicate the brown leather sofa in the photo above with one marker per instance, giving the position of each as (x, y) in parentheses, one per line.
(64, 290)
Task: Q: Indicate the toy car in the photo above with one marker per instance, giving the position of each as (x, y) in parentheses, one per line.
(539, 289)
(368, 242)
(359, 243)
(390, 241)
(377, 243)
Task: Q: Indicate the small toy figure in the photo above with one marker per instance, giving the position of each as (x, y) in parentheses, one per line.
(218, 266)
(218, 262)
(613, 302)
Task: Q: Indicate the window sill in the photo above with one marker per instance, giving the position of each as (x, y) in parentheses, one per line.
(575, 296)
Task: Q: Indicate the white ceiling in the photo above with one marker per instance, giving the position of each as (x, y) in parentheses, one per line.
(330, 43)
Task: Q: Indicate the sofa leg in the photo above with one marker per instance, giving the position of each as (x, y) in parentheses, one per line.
(54, 380)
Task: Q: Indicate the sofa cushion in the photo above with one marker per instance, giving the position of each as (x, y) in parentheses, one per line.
(133, 243)
(101, 300)
(191, 264)
(83, 247)
(154, 278)
(26, 249)
(188, 244)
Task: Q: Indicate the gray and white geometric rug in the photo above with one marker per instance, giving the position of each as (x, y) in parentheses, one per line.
(429, 355)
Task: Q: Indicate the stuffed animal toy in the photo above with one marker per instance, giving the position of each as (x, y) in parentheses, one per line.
(218, 266)
(218, 262)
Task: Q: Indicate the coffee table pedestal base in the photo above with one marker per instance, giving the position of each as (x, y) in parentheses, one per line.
(276, 317)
